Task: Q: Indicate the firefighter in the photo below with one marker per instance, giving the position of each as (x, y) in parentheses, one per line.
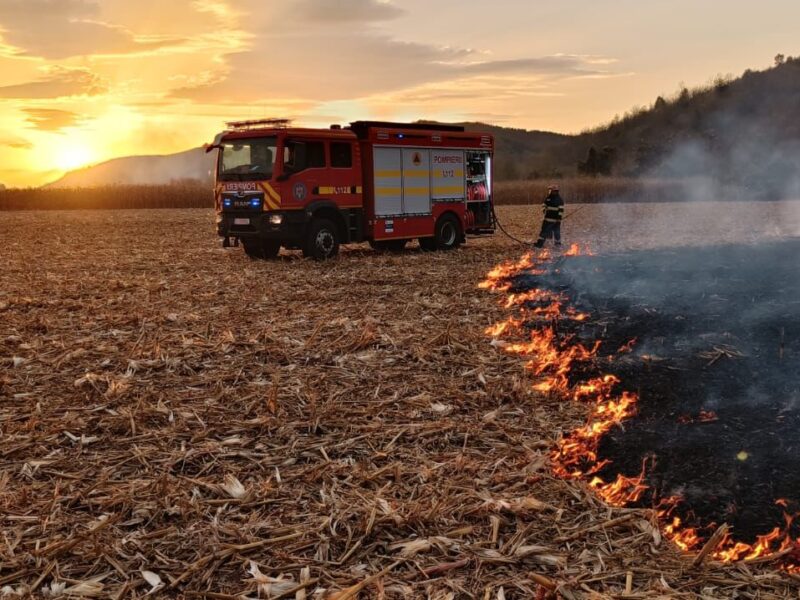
(260, 159)
(553, 214)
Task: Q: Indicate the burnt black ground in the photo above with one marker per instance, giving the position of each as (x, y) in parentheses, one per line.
(682, 305)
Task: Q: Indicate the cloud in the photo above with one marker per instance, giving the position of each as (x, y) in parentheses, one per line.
(16, 143)
(51, 119)
(558, 64)
(347, 11)
(57, 29)
(364, 65)
(336, 65)
(306, 49)
(57, 83)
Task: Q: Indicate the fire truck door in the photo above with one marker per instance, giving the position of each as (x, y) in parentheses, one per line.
(416, 181)
(448, 174)
(388, 181)
(305, 161)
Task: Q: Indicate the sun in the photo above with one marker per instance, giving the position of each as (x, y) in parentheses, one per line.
(73, 156)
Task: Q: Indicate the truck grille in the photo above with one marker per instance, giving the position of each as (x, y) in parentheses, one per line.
(249, 202)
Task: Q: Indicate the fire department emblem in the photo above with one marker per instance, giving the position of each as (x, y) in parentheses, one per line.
(417, 160)
(300, 191)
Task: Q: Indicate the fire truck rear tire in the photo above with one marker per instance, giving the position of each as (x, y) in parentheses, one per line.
(322, 241)
(447, 235)
(261, 249)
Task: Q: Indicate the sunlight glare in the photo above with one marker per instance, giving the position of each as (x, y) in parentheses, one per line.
(73, 156)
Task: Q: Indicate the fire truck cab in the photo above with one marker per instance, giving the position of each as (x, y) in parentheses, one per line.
(383, 183)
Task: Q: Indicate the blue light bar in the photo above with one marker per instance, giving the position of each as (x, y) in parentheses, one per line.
(227, 202)
(255, 203)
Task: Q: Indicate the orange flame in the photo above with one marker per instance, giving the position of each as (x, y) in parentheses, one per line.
(575, 455)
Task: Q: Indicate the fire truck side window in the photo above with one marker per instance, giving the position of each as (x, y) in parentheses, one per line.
(341, 155)
(316, 155)
(298, 156)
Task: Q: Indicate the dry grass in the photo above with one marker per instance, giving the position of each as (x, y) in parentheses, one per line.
(176, 195)
(178, 416)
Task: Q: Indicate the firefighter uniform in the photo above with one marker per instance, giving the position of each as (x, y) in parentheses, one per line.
(553, 214)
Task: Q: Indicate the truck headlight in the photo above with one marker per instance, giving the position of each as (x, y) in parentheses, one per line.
(275, 219)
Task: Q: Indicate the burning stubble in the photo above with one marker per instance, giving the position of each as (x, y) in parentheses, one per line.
(688, 361)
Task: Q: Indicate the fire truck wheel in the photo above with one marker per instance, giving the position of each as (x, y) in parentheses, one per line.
(448, 233)
(261, 248)
(388, 245)
(271, 248)
(322, 242)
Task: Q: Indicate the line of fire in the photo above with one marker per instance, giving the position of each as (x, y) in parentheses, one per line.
(686, 363)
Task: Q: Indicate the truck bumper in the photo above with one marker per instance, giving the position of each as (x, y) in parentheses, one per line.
(285, 226)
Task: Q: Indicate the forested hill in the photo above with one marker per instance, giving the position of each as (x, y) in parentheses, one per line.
(739, 128)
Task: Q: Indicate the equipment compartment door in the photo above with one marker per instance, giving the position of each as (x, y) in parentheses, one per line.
(388, 182)
(416, 182)
(448, 174)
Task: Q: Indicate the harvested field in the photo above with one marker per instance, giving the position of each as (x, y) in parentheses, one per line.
(177, 417)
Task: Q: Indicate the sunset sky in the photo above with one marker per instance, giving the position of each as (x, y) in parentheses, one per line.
(82, 81)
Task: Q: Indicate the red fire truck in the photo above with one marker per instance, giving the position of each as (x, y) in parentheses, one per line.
(384, 183)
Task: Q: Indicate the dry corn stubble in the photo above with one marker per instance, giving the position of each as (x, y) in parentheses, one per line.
(178, 419)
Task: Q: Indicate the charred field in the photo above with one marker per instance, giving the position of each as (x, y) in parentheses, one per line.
(708, 340)
(176, 417)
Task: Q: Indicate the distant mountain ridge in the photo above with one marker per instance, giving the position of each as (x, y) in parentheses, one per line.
(192, 164)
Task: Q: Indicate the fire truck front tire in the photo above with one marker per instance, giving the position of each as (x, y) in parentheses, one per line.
(261, 249)
(322, 241)
(447, 235)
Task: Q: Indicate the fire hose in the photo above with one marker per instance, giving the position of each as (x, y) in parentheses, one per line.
(523, 242)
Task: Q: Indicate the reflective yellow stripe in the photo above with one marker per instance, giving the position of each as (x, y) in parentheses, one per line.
(387, 173)
(449, 189)
(272, 193)
(415, 173)
(271, 204)
(418, 191)
(388, 191)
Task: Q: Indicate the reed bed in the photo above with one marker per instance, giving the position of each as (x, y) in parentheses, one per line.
(197, 195)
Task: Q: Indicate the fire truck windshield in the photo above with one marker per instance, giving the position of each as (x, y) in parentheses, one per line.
(248, 159)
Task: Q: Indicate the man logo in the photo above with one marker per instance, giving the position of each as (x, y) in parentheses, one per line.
(417, 160)
(300, 191)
